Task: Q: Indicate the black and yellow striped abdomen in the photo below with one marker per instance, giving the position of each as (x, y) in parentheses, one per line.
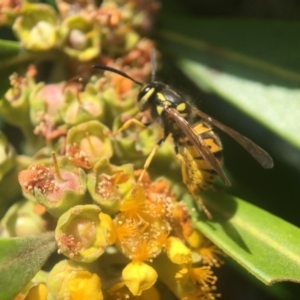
(197, 172)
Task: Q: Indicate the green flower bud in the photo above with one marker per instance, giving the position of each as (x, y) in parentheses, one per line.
(79, 107)
(46, 99)
(21, 220)
(134, 143)
(82, 37)
(56, 191)
(37, 27)
(120, 40)
(10, 189)
(119, 97)
(109, 184)
(83, 233)
(14, 106)
(71, 280)
(7, 156)
(92, 141)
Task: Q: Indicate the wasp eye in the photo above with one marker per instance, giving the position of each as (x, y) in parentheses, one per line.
(145, 93)
(144, 97)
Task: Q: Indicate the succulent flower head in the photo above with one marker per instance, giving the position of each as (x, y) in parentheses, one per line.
(83, 233)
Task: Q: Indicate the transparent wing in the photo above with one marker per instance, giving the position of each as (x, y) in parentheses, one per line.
(257, 153)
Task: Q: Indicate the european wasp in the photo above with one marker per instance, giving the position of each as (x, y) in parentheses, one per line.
(196, 145)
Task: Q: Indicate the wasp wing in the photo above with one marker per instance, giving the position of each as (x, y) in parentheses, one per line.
(257, 153)
(197, 141)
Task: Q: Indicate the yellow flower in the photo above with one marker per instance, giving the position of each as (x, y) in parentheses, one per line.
(177, 252)
(107, 227)
(133, 204)
(201, 293)
(73, 281)
(84, 285)
(140, 236)
(139, 277)
(203, 275)
(210, 253)
(38, 292)
(195, 238)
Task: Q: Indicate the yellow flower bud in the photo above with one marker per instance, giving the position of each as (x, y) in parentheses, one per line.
(38, 292)
(70, 280)
(84, 285)
(195, 239)
(139, 277)
(177, 252)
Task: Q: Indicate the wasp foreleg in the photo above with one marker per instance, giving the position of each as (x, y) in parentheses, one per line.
(129, 123)
(150, 157)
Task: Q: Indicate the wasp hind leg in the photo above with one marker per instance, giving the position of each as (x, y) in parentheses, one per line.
(186, 180)
(201, 204)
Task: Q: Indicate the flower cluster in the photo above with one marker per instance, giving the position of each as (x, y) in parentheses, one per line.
(81, 29)
(119, 235)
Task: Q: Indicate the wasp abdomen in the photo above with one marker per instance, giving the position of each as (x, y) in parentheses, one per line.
(197, 172)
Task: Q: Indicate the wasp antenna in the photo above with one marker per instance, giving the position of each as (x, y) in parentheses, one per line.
(113, 70)
(153, 63)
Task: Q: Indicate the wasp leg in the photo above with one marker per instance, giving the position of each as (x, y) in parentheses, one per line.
(187, 182)
(150, 157)
(129, 123)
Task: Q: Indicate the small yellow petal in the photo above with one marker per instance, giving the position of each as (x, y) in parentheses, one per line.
(139, 277)
(195, 239)
(106, 224)
(177, 252)
(38, 292)
(182, 274)
(133, 201)
(84, 285)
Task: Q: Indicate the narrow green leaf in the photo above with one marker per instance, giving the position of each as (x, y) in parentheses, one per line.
(265, 103)
(265, 245)
(21, 259)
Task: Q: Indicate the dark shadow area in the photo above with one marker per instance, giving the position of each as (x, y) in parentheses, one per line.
(238, 284)
(235, 236)
(230, 206)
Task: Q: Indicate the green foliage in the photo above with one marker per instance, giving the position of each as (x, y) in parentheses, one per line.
(21, 259)
(267, 246)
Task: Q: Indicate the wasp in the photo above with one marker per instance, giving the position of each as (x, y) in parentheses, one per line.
(196, 145)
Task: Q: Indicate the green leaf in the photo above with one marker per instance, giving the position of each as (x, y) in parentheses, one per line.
(21, 259)
(265, 245)
(254, 65)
